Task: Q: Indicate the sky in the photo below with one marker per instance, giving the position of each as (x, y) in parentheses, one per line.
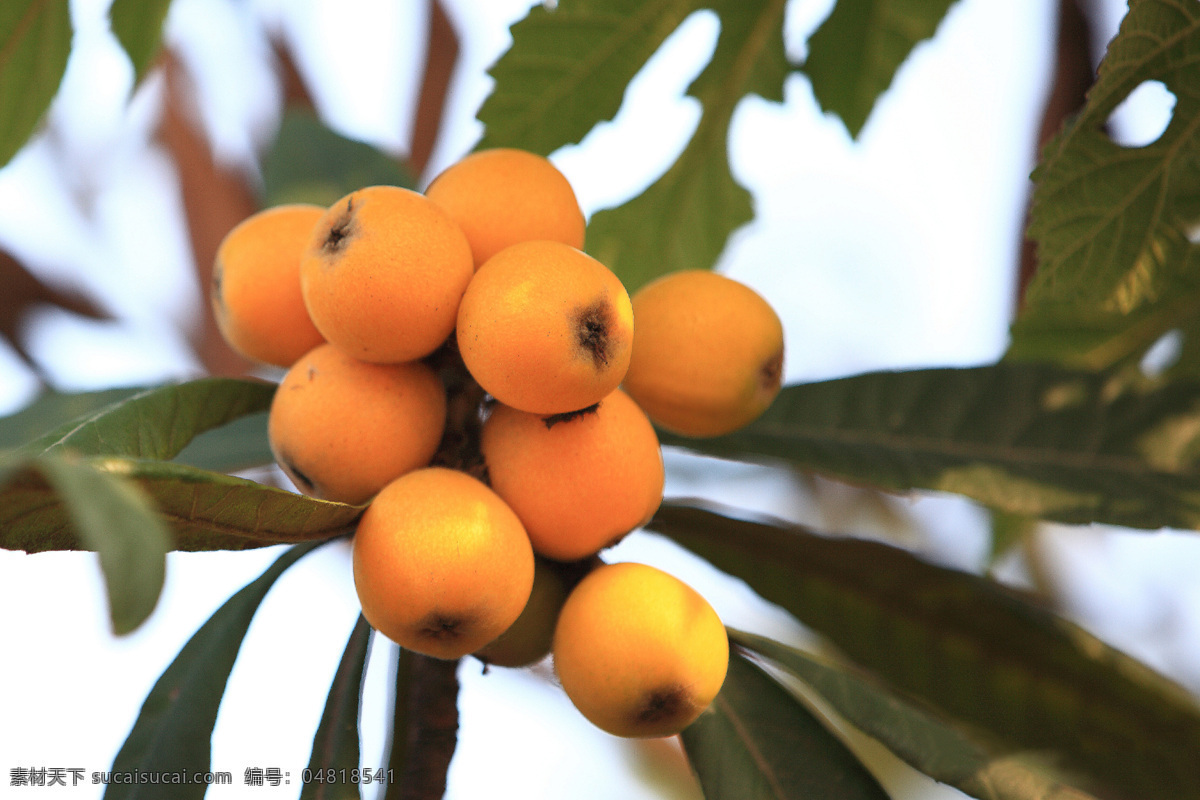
(892, 251)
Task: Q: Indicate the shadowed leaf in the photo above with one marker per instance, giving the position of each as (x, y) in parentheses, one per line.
(35, 40)
(1030, 440)
(398, 750)
(204, 510)
(107, 514)
(1118, 263)
(931, 745)
(335, 746)
(757, 741)
(978, 652)
(854, 55)
(173, 732)
(158, 423)
(309, 163)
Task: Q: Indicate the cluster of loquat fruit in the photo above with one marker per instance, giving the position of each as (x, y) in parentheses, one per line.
(380, 302)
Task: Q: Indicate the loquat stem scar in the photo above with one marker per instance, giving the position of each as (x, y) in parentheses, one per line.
(341, 229)
(593, 326)
(665, 703)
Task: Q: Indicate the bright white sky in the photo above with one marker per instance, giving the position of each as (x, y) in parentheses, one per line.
(894, 251)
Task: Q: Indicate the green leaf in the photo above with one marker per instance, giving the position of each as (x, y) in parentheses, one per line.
(976, 651)
(335, 745)
(52, 409)
(928, 743)
(159, 422)
(592, 49)
(1027, 439)
(204, 510)
(684, 219)
(138, 26)
(35, 40)
(111, 516)
(582, 49)
(173, 732)
(236, 445)
(855, 53)
(758, 741)
(1115, 226)
(310, 163)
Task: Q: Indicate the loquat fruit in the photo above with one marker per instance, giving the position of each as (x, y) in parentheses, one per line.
(255, 290)
(504, 196)
(707, 353)
(638, 651)
(342, 428)
(579, 482)
(545, 328)
(383, 273)
(441, 565)
(528, 639)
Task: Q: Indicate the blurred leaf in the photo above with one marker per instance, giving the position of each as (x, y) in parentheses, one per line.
(974, 650)
(758, 741)
(591, 49)
(173, 732)
(309, 163)
(1027, 439)
(1008, 531)
(855, 53)
(924, 741)
(1118, 263)
(398, 749)
(216, 197)
(24, 293)
(234, 446)
(138, 26)
(35, 40)
(204, 510)
(335, 745)
(52, 409)
(159, 422)
(107, 514)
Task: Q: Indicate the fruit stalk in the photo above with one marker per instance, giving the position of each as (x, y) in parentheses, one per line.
(432, 728)
(430, 709)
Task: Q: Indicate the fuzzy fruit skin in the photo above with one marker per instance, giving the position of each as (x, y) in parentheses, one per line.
(255, 293)
(707, 353)
(580, 483)
(528, 640)
(546, 328)
(343, 428)
(383, 273)
(504, 196)
(442, 566)
(639, 652)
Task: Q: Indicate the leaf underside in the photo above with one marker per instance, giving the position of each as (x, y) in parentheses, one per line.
(1026, 439)
(173, 732)
(758, 741)
(974, 650)
(1115, 226)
